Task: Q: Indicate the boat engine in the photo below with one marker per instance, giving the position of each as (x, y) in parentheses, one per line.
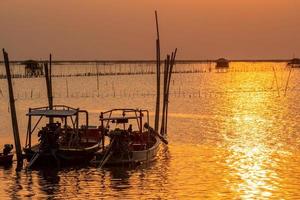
(49, 136)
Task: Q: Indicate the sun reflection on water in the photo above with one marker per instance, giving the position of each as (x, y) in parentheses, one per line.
(250, 147)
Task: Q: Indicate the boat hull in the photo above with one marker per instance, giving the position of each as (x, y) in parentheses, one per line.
(132, 157)
(6, 159)
(63, 157)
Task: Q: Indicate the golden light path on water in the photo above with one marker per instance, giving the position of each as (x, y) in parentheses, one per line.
(230, 135)
(250, 155)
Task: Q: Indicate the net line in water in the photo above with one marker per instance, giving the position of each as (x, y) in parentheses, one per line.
(111, 69)
(185, 76)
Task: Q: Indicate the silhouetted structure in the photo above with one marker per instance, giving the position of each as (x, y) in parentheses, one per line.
(222, 63)
(294, 63)
(33, 68)
(68, 141)
(7, 156)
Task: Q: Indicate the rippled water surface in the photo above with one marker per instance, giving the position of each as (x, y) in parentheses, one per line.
(232, 135)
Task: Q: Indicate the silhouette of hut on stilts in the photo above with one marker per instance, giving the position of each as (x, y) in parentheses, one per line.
(222, 63)
(33, 68)
(294, 63)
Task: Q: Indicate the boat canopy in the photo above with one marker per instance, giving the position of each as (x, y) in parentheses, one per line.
(57, 111)
(52, 113)
(123, 116)
(120, 118)
(68, 119)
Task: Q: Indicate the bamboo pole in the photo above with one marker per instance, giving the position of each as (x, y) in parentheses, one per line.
(50, 83)
(48, 72)
(157, 75)
(168, 90)
(164, 96)
(166, 72)
(47, 83)
(171, 68)
(14, 119)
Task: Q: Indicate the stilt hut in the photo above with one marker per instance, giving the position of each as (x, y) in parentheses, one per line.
(222, 63)
(33, 68)
(294, 63)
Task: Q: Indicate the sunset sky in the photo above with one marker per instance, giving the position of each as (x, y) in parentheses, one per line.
(125, 29)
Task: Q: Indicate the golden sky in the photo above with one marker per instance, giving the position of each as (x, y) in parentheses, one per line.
(125, 29)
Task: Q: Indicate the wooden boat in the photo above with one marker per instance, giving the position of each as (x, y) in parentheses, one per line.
(6, 158)
(129, 142)
(60, 143)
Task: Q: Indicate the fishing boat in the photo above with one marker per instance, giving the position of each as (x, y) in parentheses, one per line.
(6, 157)
(130, 142)
(61, 141)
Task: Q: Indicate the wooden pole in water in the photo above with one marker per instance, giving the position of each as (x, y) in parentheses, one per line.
(168, 90)
(157, 76)
(47, 83)
(13, 113)
(166, 69)
(50, 83)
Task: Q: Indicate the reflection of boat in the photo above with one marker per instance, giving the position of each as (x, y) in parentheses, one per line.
(128, 144)
(59, 142)
(222, 63)
(294, 63)
(7, 156)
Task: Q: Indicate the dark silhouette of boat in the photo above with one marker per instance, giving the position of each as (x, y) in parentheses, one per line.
(294, 63)
(62, 142)
(6, 158)
(222, 63)
(130, 142)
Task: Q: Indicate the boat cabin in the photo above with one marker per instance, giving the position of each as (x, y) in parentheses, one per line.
(63, 127)
(126, 126)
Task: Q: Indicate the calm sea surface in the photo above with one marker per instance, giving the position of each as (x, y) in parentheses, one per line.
(232, 135)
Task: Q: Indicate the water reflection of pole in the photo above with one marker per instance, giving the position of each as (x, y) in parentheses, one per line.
(13, 113)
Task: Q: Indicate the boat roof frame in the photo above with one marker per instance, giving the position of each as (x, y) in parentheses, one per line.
(56, 111)
(139, 114)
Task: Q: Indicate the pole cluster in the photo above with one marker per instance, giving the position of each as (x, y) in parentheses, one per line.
(168, 69)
